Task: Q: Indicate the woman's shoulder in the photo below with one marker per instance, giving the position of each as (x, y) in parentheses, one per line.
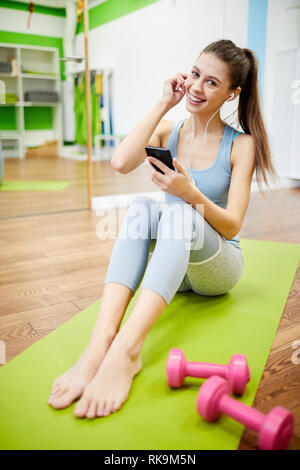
(240, 132)
(243, 138)
(166, 125)
(240, 137)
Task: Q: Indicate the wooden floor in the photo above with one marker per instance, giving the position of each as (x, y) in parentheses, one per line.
(106, 182)
(52, 266)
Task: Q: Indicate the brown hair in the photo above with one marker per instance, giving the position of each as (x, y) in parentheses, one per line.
(243, 71)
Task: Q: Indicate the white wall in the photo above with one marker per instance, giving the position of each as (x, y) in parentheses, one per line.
(149, 45)
(45, 25)
(283, 33)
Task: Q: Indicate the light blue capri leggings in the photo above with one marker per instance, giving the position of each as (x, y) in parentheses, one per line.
(172, 249)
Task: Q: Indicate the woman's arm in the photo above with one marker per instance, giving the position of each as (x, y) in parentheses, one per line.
(229, 221)
(244, 164)
(130, 153)
(220, 219)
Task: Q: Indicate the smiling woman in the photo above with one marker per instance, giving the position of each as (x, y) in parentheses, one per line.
(190, 248)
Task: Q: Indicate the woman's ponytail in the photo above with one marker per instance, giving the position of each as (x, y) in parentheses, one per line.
(251, 120)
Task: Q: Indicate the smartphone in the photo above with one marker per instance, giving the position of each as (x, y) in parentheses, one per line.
(164, 155)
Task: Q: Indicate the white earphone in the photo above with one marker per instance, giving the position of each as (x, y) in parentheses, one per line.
(231, 96)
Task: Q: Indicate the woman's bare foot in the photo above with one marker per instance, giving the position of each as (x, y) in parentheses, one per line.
(70, 386)
(110, 387)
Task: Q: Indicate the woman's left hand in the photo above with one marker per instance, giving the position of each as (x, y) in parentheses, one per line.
(178, 182)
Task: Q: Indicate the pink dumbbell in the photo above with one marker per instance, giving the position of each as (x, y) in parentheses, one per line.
(275, 429)
(236, 372)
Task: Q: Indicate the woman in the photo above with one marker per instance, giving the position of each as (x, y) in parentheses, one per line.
(214, 193)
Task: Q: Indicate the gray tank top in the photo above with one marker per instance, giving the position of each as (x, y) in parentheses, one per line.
(213, 181)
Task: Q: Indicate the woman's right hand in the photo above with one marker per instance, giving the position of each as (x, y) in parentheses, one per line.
(174, 89)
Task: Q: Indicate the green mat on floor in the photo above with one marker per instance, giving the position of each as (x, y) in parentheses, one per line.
(211, 329)
(34, 185)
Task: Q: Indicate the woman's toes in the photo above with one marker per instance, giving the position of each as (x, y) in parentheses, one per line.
(82, 407)
(101, 407)
(56, 395)
(57, 391)
(55, 388)
(109, 408)
(115, 406)
(63, 400)
(61, 391)
(92, 411)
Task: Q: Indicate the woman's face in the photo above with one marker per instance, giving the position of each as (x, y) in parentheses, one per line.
(208, 80)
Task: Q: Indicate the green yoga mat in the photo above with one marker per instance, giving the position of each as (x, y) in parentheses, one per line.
(34, 185)
(244, 320)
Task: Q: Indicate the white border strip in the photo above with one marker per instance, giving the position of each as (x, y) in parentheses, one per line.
(123, 200)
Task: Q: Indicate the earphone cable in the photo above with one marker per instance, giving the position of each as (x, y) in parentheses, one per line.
(204, 138)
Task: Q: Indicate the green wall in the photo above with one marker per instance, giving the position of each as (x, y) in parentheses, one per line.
(111, 10)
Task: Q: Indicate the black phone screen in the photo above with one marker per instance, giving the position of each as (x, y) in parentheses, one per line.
(164, 155)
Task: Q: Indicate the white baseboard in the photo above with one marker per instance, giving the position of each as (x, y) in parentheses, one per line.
(79, 153)
(123, 200)
(283, 183)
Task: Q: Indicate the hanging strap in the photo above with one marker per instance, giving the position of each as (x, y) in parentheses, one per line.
(236, 133)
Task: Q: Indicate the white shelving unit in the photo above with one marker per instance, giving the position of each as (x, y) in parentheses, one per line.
(30, 60)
